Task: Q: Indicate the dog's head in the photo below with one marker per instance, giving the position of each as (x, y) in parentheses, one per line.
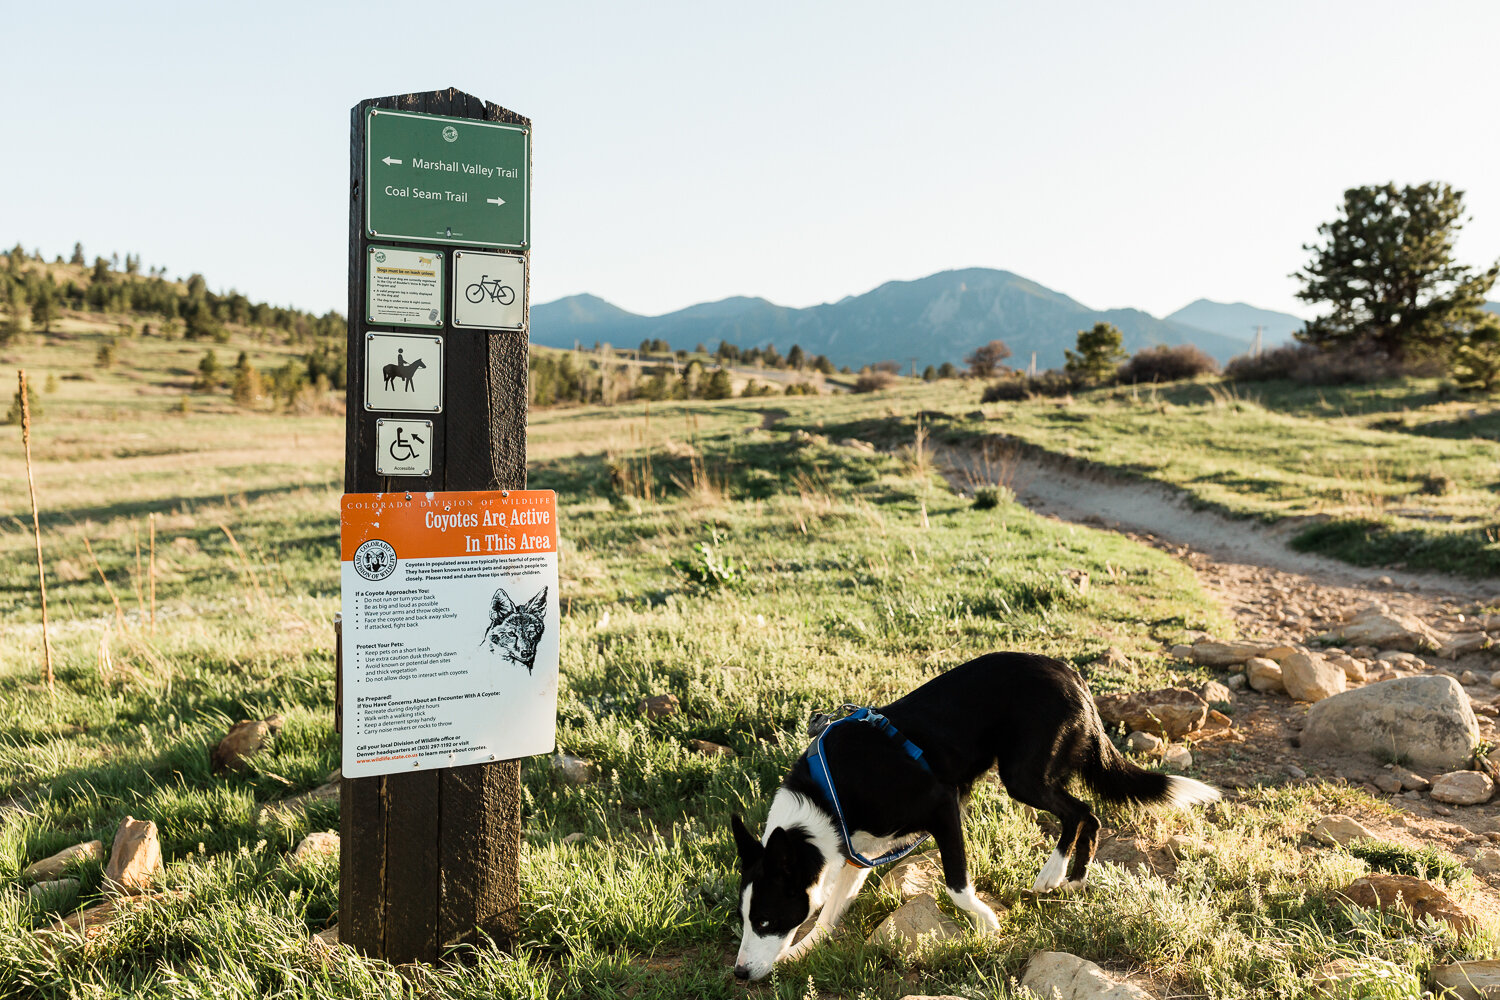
(777, 880)
(515, 629)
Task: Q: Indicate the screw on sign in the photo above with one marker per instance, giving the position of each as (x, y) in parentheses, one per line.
(430, 853)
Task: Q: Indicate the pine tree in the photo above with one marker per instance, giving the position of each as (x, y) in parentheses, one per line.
(1099, 353)
(77, 257)
(1388, 273)
(44, 309)
(718, 386)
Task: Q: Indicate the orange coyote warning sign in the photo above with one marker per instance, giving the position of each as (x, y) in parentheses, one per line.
(450, 612)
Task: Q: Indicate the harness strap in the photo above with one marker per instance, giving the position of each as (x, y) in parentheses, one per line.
(818, 764)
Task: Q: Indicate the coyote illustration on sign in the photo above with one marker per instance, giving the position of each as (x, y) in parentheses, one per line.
(515, 629)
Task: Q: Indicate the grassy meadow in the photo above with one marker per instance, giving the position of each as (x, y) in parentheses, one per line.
(732, 553)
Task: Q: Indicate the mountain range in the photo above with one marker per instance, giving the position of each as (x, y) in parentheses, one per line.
(934, 319)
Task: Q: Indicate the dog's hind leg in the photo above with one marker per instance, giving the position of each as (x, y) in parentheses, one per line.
(947, 830)
(1075, 818)
(846, 885)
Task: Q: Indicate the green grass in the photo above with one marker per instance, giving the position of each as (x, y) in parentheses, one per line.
(855, 577)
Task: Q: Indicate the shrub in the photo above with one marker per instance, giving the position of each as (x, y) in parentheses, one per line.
(801, 389)
(990, 497)
(1005, 390)
(1315, 366)
(874, 381)
(1168, 364)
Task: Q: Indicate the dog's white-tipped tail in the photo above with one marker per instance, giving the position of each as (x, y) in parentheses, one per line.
(1184, 793)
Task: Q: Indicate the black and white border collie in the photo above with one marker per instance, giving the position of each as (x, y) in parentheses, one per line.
(1030, 716)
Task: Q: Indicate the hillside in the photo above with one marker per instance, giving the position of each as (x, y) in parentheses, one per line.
(938, 318)
(1238, 320)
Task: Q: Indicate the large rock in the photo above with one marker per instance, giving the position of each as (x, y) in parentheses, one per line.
(657, 706)
(1468, 642)
(244, 739)
(1170, 712)
(1463, 788)
(1420, 899)
(1056, 975)
(1468, 980)
(320, 843)
(1226, 654)
(1311, 678)
(55, 866)
(1375, 626)
(1426, 720)
(1264, 675)
(135, 861)
(912, 922)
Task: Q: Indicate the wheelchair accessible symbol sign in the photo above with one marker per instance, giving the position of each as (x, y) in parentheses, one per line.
(403, 447)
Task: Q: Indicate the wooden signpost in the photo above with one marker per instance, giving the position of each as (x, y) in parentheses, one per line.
(431, 858)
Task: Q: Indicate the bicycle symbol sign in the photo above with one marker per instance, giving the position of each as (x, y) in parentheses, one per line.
(489, 291)
(403, 447)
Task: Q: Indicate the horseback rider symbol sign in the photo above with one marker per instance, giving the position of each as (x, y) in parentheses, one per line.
(403, 372)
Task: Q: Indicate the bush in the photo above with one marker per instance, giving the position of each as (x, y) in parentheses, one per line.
(801, 389)
(1049, 383)
(990, 497)
(1398, 859)
(1316, 366)
(874, 381)
(1168, 364)
(1005, 390)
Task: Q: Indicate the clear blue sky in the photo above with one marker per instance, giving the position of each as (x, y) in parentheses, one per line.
(1140, 154)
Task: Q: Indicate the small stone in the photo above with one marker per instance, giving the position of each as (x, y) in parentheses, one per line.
(1236, 682)
(1411, 779)
(1486, 861)
(1468, 642)
(913, 922)
(1182, 652)
(1401, 658)
(1468, 980)
(1225, 654)
(1171, 712)
(572, 838)
(1495, 679)
(1216, 693)
(1177, 756)
(1422, 899)
(322, 843)
(1056, 974)
(914, 875)
(1278, 653)
(1387, 783)
(1294, 772)
(657, 706)
(59, 892)
(1143, 742)
(53, 867)
(1311, 678)
(1339, 830)
(1441, 810)
(244, 739)
(708, 749)
(135, 860)
(1463, 788)
(1264, 675)
(1468, 677)
(574, 770)
(1182, 846)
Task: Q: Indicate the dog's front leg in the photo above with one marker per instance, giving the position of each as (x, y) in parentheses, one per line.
(846, 885)
(947, 830)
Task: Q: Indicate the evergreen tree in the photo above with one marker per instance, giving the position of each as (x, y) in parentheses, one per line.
(77, 257)
(1099, 353)
(13, 325)
(718, 385)
(947, 370)
(929, 374)
(208, 372)
(794, 357)
(1388, 274)
(1476, 360)
(43, 309)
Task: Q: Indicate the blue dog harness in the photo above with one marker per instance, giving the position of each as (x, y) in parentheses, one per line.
(818, 764)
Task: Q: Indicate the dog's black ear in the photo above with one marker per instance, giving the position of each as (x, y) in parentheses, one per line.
(501, 606)
(779, 851)
(745, 843)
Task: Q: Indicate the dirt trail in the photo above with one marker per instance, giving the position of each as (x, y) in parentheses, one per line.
(1277, 594)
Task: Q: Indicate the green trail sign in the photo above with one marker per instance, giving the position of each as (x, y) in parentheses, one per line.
(433, 179)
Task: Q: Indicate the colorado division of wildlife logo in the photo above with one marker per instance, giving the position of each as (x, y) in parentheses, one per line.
(450, 133)
(375, 560)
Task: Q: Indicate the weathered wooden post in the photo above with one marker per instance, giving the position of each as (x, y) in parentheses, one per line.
(430, 857)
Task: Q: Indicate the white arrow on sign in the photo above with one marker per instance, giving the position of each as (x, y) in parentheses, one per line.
(391, 160)
(495, 201)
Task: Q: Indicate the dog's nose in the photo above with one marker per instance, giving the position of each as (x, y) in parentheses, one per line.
(742, 972)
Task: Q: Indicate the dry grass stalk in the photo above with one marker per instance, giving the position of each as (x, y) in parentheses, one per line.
(36, 526)
(119, 612)
(135, 581)
(245, 566)
(152, 564)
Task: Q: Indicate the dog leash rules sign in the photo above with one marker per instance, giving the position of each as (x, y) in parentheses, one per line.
(451, 618)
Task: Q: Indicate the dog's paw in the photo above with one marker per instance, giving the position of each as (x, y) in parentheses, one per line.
(1074, 885)
(1053, 874)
